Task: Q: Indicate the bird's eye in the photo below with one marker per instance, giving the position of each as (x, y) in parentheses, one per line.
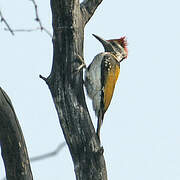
(113, 43)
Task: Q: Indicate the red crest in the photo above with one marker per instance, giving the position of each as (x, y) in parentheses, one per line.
(122, 41)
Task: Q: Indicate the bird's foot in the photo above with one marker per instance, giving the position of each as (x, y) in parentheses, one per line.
(83, 65)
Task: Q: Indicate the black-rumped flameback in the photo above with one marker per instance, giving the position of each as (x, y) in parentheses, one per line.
(102, 74)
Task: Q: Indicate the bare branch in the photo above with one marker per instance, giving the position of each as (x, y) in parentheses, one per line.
(42, 28)
(30, 30)
(13, 147)
(88, 8)
(5, 22)
(47, 155)
(37, 15)
(45, 30)
(23, 30)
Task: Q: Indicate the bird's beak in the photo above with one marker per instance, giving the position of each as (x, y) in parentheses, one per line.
(107, 45)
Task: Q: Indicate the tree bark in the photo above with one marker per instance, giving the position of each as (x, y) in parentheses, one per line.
(13, 147)
(66, 86)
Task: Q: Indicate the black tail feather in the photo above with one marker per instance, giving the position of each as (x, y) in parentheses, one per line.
(99, 124)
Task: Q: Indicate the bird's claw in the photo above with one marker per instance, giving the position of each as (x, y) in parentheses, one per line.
(83, 65)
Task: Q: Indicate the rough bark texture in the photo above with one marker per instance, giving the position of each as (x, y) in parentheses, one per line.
(13, 147)
(66, 86)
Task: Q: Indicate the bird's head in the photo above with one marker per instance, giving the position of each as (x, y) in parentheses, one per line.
(117, 46)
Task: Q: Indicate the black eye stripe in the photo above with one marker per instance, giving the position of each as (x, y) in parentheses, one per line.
(117, 46)
(112, 42)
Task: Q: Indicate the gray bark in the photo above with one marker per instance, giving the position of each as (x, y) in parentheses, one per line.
(13, 147)
(66, 86)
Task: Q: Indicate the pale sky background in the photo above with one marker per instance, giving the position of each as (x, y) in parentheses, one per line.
(140, 134)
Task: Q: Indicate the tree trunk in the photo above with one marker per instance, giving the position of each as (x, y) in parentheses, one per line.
(66, 86)
(13, 147)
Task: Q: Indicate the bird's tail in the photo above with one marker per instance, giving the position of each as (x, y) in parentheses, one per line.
(99, 124)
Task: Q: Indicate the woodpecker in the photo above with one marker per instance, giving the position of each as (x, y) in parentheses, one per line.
(101, 75)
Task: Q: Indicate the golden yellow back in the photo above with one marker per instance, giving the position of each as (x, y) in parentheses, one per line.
(110, 80)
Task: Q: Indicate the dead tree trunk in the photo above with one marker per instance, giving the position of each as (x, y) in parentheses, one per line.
(66, 86)
(13, 147)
